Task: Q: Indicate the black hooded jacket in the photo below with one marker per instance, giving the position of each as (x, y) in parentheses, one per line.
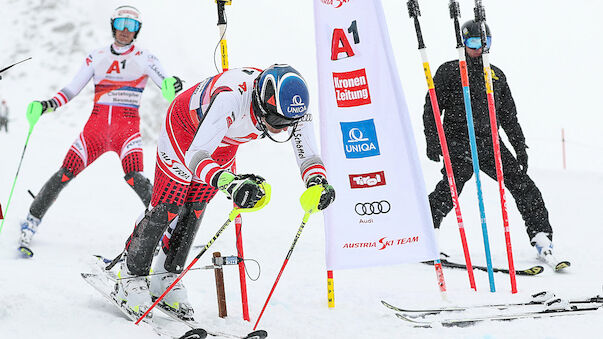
(450, 99)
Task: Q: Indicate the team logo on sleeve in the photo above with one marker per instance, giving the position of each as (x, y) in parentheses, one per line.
(360, 139)
(351, 88)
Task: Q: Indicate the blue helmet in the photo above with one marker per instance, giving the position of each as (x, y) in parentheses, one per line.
(280, 96)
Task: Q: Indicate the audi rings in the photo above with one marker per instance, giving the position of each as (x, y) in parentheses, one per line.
(370, 208)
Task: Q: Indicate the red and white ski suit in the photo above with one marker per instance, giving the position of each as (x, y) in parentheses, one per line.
(204, 127)
(120, 77)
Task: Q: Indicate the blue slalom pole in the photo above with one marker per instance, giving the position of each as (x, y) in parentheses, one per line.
(454, 14)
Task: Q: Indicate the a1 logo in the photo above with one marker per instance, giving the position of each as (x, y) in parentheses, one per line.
(340, 45)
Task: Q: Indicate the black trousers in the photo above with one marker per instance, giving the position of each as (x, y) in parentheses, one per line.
(523, 189)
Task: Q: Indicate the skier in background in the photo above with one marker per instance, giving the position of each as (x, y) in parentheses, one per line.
(450, 98)
(120, 72)
(4, 115)
(196, 149)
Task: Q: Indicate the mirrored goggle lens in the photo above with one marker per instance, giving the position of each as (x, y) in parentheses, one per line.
(476, 42)
(121, 23)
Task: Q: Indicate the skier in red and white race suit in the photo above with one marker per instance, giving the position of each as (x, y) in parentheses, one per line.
(120, 72)
(203, 129)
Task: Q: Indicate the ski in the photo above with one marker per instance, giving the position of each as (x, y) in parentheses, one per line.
(540, 298)
(260, 334)
(537, 299)
(101, 284)
(472, 320)
(558, 266)
(25, 251)
(111, 277)
(534, 270)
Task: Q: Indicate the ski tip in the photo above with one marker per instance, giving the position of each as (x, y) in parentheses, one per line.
(26, 252)
(105, 260)
(532, 270)
(560, 267)
(197, 333)
(87, 275)
(414, 322)
(259, 334)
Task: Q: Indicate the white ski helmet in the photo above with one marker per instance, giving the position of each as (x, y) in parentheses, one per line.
(126, 12)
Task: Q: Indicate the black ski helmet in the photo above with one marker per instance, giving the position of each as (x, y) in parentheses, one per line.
(472, 29)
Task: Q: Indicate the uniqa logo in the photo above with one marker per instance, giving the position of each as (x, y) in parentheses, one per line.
(297, 105)
(356, 135)
(359, 139)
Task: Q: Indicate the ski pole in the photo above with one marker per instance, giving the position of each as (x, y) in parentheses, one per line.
(414, 13)
(16, 63)
(235, 211)
(455, 13)
(222, 24)
(480, 18)
(309, 201)
(12, 189)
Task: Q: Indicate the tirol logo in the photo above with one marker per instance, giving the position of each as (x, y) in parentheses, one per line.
(335, 3)
(360, 139)
(297, 105)
(351, 88)
(367, 180)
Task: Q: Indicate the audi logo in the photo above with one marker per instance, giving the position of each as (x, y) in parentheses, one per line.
(370, 208)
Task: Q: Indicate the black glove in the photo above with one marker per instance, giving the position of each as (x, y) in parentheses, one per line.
(49, 105)
(177, 84)
(434, 152)
(328, 194)
(244, 189)
(522, 159)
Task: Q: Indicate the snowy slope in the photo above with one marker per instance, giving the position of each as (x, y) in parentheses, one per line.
(541, 45)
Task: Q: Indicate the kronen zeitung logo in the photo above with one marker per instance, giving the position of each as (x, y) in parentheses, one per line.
(351, 88)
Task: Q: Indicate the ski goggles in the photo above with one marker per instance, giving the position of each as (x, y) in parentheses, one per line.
(278, 121)
(476, 42)
(122, 23)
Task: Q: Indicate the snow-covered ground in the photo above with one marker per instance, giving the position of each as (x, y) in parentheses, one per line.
(546, 48)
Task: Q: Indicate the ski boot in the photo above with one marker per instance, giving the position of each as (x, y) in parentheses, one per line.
(29, 226)
(132, 292)
(544, 247)
(176, 301)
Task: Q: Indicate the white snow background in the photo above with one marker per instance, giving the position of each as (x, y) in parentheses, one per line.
(549, 50)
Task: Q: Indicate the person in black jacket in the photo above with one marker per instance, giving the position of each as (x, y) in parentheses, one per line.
(450, 98)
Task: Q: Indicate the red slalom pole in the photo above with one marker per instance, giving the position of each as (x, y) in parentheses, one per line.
(563, 147)
(231, 217)
(480, 17)
(222, 23)
(242, 278)
(414, 13)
